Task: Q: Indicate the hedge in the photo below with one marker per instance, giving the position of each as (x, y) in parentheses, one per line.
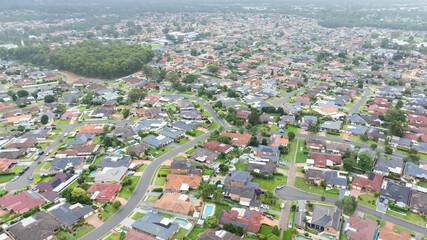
(394, 207)
(47, 205)
(158, 190)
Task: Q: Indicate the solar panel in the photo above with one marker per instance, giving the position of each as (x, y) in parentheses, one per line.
(33, 195)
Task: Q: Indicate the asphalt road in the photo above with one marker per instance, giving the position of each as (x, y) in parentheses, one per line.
(24, 181)
(145, 180)
(140, 191)
(293, 194)
(356, 107)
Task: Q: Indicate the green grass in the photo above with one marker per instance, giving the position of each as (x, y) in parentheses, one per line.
(300, 184)
(64, 235)
(17, 169)
(398, 228)
(109, 211)
(290, 128)
(269, 185)
(160, 181)
(58, 130)
(42, 146)
(196, 231)
(98, 160)
(288, 234)
(180, 234)
(161, 151)
(165, 215)
(301, 157)
(45, 179)
(138, 215)
(6, 178)
(61, 122)
(357, 139)
(382, 222)
(97, 140)
(274, 128)
(83, 231)
(126, 192)
(341, 135)
(411, 217)
(422, 184)
(152, 199)
(113, 236)
(141, 169)
(365, 199)
(240, 166)
(53, 137)
(214, 125)
(219, 208)
(291, 154)
(198, 133)
(265, 229)
(183, 141)
(332, 193)
(47, 165)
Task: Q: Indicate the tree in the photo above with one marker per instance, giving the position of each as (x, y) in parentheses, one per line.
(254, 118)
(365, 162)
(374, 146)
(212, 222)
(22, 93)
(240, 231)
(149, 71)
(349, 205)
(276, 231)
(323, 198)
(137, 94)
(194, 52)
(388, 149)
(399, 104)
(396, 128)
(264, 141)
(241, 130)
(126, 113)
(291, 136)
(253, 142)
(117, 204)
(394, 114)
(313, 128)
(49, 99)
(212, 68)
(44, 119)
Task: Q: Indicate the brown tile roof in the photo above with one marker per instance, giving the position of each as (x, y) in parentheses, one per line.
(174, 182)
(238, 139)
(22, 202)
(5, 164)
(105, 191)
(373, 182)
(251, 219)
(91, 129)
(175, 202)
(321, 158)
(365, 229)
(135, 235)
(217, 146)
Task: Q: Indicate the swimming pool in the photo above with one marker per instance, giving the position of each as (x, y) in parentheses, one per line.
(216, 165)
(93, 173)
(208, 211)
(327, 236)
(302, 238)
(193, 200)
(182, 222)
(118, 151)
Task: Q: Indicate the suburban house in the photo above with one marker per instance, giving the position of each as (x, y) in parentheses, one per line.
(5, 164)
(150, 125)
(268, 153)
(177, 203)
(115, 161)
(356, 130)
(103, 192)
(248, 219)
(156, 226)
(68, 214)
(370, 183)
(243, 194)
(186, 125)
(335, 148)
(182, 183)
(266, 168)
(240, 140)
(326, 220)
(51, 189)
(324, 160)
(137, 149)
(334, 126)
(218, 147)
(314, 176)
(288, 119)
(111, 175)
(204, 155)
(21, 202)
(277, 141)
(59, 164)
(212, 234)
(239, 178)
(267, 118)
(418, 202)
(183, 166)
(91, 129)
(172, 133)
(159, 141)
(385, 167)
(334, 179)
(308, 121)
(359, 229)
(395, 193)
(314, 144)
(38, 226)
(414, 171)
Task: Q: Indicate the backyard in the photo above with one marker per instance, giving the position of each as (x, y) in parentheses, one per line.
(270, 185)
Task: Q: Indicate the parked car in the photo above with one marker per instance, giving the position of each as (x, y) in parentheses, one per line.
(14, 178)
(290, 224)
(26, 168)
(270, 217)
(279, 187)
(31, 178)
(282, 205)
(41, 152)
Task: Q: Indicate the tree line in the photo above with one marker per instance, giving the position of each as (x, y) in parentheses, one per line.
(89, 58)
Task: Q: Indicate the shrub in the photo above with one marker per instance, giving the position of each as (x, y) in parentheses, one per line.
(158, 190)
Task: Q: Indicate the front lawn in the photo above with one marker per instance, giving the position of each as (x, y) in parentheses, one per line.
(301, 157)
(290, 128)
(357, 139)
(367, 200)
(83, 231)
(6, 178)
(160, 181)
(183, 141)
(157, 153)
(270, 185)
(109, 210)
(138, 215)
(291, 154)
(127, 191)
(300, 184)
(240, 166)
(411, 217)
(61, 122)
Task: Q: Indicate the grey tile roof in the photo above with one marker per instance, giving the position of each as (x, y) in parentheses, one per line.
(356, 119)
(111, 174)
(384, 165)
(395, 192)
(62, 163)
(156, 225)
(157, 141)
(240, 176)
(332, 178)
(114, 161)
(39, 226)
(326, 217)
(186, 125)
(81, 139)
(414, 170)
(240, 190)
(334, 125)
(69, 214)
(357, 129)
(171, 132)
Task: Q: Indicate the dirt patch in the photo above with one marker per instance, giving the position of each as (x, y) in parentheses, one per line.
(122, 200)
(167, 163)
(269, 222)
(71, 77)
(300, 174)
(355, 192)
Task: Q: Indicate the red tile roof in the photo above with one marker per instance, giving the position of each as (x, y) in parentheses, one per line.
(106, 191)
(373, 182)
(251, 219)
(22, 202)
(217, 146)
(365, 229)
(322, 158)
(238, 139)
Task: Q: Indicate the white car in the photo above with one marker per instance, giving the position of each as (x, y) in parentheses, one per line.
(282, 205)
(14, 178)
(279, 187)
(290, 224)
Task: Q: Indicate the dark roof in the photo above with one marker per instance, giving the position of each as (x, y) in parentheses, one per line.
(114, 162)
(240, 190)
(332, 178)
(414, 170)
(38, 226)
(69, 214)
(59, 178)
(211, 234)
(326, 217)
(384, 165)
(395, 192)
(62, 163)
(264, 168)
(155, 224)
